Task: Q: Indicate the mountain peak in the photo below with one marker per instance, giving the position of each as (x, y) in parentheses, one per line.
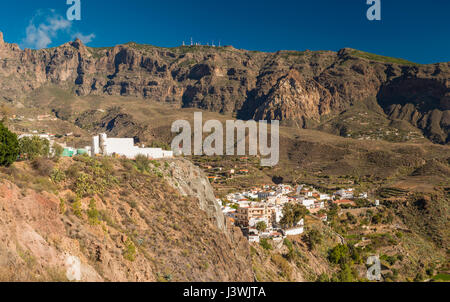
(77, 43)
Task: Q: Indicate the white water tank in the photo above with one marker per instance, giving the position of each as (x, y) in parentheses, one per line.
(95, 145)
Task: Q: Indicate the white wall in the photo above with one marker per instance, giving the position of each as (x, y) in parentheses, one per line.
(294, 231)
(119, 146)
(95, 145)
(125, 147)
(308, 202)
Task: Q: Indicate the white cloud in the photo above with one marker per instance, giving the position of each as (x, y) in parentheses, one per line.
(84, 38)
(47, 25)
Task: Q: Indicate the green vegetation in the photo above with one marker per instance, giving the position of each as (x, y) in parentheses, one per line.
(265, 244)
(142, 163)
(9, 146)
(292, 214)
(442, 277)
(93, 214)
(76, 208)
(93, 178)
(261, 226)
(383, 59)
(339, 254)
(323, 278)
(130, 250)
(62, 206)
(58, 175)
(33, 147)
(346, 256)
(313, 238)
(57, 151)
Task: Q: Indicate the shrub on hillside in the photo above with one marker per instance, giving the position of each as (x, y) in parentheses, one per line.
(57, 151)
(42, 166)
(142, 163)
(313, 238)
(32, 147)
(265, 244)
(9, 146)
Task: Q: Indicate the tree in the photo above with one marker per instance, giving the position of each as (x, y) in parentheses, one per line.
(292, 214)
(57, 151)
(323, 278)
(313, 238)
(33, 147)
(261, 226)
(339, 254)
(351, 218)
(9, 146)
(345, 274)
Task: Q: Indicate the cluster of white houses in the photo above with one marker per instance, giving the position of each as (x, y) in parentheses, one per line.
(265, 204)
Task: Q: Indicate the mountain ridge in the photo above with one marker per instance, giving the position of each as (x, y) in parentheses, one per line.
(299, 88)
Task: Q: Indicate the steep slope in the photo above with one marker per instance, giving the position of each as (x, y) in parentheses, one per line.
(123, 224)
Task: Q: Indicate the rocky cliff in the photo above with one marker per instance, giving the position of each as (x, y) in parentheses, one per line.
(296, 87)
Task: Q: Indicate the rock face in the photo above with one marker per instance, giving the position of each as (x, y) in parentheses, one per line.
(193, 182)
(298, 87)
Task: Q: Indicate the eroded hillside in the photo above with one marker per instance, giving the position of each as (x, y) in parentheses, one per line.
(125, 221)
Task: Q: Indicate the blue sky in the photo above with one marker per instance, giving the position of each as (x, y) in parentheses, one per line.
(416, 30)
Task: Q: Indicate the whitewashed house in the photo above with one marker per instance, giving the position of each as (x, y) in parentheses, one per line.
(309, 203)
(102, 145)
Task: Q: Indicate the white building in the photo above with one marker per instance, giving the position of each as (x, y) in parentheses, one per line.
(298, 230)
(251, 195)
(41, 136)
(323, 196)
(364, 195)
(253, 238)
(309, 203)
(103, 145)
(345, 194)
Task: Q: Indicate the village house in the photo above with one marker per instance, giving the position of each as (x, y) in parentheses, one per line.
(263, 195)
(102, 145)
(278, 199)
(276, 214)
(318, 205)
(308, 203)
(284, 189)
(251, 195)
(323, 196)
(345, 193)
(249, 215)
